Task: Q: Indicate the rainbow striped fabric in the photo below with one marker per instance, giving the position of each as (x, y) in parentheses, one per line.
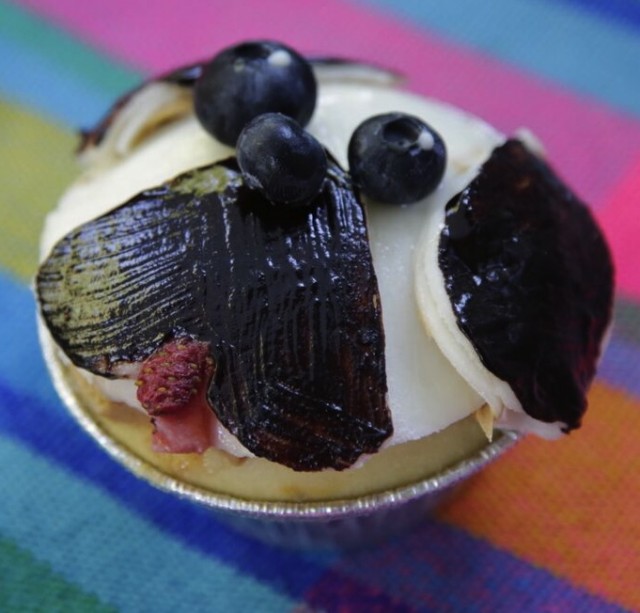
(549, 527)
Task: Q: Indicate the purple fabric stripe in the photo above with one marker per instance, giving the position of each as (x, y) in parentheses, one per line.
(620, 366)
(440, 568)
(333, 593)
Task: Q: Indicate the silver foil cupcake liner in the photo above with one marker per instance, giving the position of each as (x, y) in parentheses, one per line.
(349, 523)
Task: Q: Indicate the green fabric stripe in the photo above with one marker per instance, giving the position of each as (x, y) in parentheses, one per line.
(37, 164)
(27, 584)
(28, 29)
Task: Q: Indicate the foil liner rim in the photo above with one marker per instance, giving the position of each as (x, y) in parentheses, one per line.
(312, 510)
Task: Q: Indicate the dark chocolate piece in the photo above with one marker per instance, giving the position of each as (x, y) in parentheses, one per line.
(288, 301)
(530, 279)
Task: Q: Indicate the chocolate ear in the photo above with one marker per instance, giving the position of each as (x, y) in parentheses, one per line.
(287, 300)
(530, 279)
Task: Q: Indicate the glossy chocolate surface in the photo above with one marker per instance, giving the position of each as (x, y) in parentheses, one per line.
(530, 279)
(288, 301)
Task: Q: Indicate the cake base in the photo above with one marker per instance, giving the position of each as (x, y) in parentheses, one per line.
(389, 494)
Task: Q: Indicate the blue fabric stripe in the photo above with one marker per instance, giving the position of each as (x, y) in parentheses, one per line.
(40, 83)
(553, 39)
(48, 90)
(626, 12)
(142, 569)
(21, 361)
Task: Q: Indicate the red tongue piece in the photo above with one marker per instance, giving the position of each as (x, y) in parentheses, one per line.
(192, 430)
(172, 389)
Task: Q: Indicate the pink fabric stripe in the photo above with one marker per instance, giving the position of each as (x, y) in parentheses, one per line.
(620, 219)
(575, 130)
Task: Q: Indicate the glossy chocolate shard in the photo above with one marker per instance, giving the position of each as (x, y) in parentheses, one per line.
(530, 279)
(287, 300)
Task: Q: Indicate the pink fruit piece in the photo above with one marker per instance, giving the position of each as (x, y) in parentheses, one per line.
(172, 389)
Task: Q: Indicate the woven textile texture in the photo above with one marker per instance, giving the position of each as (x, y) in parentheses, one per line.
(548, 527)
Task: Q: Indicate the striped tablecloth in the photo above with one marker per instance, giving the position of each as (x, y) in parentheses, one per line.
(549, 527)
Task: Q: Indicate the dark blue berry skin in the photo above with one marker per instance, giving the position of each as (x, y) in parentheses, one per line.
(396, 158)
(281, 160)
(250, 79)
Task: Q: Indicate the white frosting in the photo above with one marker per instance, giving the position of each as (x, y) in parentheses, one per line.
(425, 392)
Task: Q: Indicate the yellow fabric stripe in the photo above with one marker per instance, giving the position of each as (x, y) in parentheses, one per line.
(37, 163)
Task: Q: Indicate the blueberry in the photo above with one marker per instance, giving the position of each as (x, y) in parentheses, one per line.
(250, 79)
(281, 159)
(396, 158)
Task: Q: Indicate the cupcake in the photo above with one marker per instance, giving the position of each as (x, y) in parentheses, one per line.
(288, 284)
